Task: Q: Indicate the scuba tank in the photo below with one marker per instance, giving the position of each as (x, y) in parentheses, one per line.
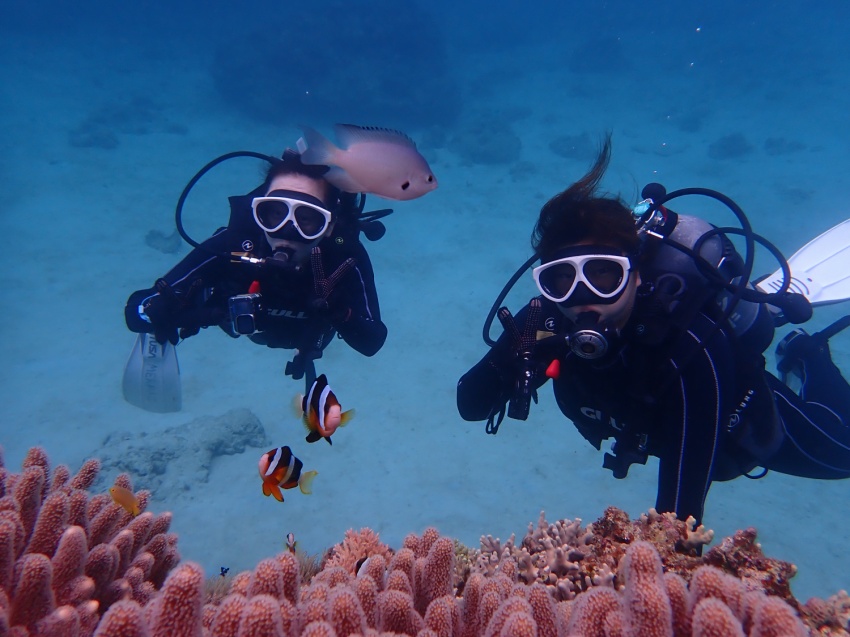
(691, 264)
(692, 259)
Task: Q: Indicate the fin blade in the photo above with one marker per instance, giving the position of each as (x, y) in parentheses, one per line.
(152, 376)
(820, 269)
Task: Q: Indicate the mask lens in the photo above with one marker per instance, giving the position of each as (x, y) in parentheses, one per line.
(310, 221)
(604, 274)
(557, 280)
(271, 214)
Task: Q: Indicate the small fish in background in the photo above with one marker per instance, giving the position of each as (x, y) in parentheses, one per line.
(224, 571)
(126, 499)
(321, 411)
(291, 544)
(371, 160)
(279, 468)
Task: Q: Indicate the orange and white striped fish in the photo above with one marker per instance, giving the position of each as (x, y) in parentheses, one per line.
(280, 469)
(321, 411)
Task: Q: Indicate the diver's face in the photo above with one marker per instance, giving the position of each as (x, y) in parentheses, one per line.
(287, 241)
(615, 315)
(612, 315)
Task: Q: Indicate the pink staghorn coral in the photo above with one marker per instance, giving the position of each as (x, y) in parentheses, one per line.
(53, 582)
(355, 548)
(646, 604)
(615, 567)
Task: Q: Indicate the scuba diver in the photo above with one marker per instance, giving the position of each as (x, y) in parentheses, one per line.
(288, 271)
(653, 337)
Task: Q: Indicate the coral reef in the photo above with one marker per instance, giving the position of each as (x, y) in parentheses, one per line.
(487, 138)
(412, 594)
(66, 556)
(732, 146)
(781, 146)
(613, 577)
(580, 147)
(570, 558)
(194, 445)
(379, 62)
(104, 126)
(356, 548)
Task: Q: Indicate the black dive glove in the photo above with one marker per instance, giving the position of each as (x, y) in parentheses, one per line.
(525, 368)
(175, 316)
(322, 305)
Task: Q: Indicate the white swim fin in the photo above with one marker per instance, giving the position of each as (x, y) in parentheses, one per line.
(820, 270)
(152, 376)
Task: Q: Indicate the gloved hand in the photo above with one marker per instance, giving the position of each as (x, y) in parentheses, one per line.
(323, 305)
(175, 316)
(333, 313)
(523, 365)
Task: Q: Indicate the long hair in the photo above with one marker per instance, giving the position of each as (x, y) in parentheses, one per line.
(579, 214)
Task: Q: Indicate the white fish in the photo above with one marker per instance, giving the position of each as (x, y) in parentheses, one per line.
(378, 161)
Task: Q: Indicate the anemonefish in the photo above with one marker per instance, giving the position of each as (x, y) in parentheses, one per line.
(291, 544)
(321, 411)
(125, 498)
(279, 468)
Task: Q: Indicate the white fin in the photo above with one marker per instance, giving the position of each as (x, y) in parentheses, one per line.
(820, 269)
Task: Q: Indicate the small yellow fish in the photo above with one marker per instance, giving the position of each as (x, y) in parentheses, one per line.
(126, 499)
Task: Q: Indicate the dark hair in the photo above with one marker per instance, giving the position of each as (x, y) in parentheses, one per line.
(579, 214)
(290, 164)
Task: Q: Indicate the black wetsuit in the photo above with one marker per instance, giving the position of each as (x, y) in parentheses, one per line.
(289, 317)
(692, 394)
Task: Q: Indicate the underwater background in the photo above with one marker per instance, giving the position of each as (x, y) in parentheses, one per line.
(108, 109)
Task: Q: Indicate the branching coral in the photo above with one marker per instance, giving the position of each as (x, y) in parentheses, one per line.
(570, 558)
(613, 577)
(65, 557)
(355, 548)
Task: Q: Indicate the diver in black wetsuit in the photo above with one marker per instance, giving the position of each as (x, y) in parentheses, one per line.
(647, 347)
(289, 271)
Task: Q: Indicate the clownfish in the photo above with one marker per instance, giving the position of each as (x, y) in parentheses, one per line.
(321, 411)
(279, 468)
(126, 499)
(291, 544)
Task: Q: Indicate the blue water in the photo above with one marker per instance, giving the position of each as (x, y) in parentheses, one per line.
(109, 108)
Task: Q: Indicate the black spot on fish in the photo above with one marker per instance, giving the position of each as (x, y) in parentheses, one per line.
(405, 185)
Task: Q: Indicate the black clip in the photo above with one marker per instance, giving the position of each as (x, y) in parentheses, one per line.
(623, 458)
